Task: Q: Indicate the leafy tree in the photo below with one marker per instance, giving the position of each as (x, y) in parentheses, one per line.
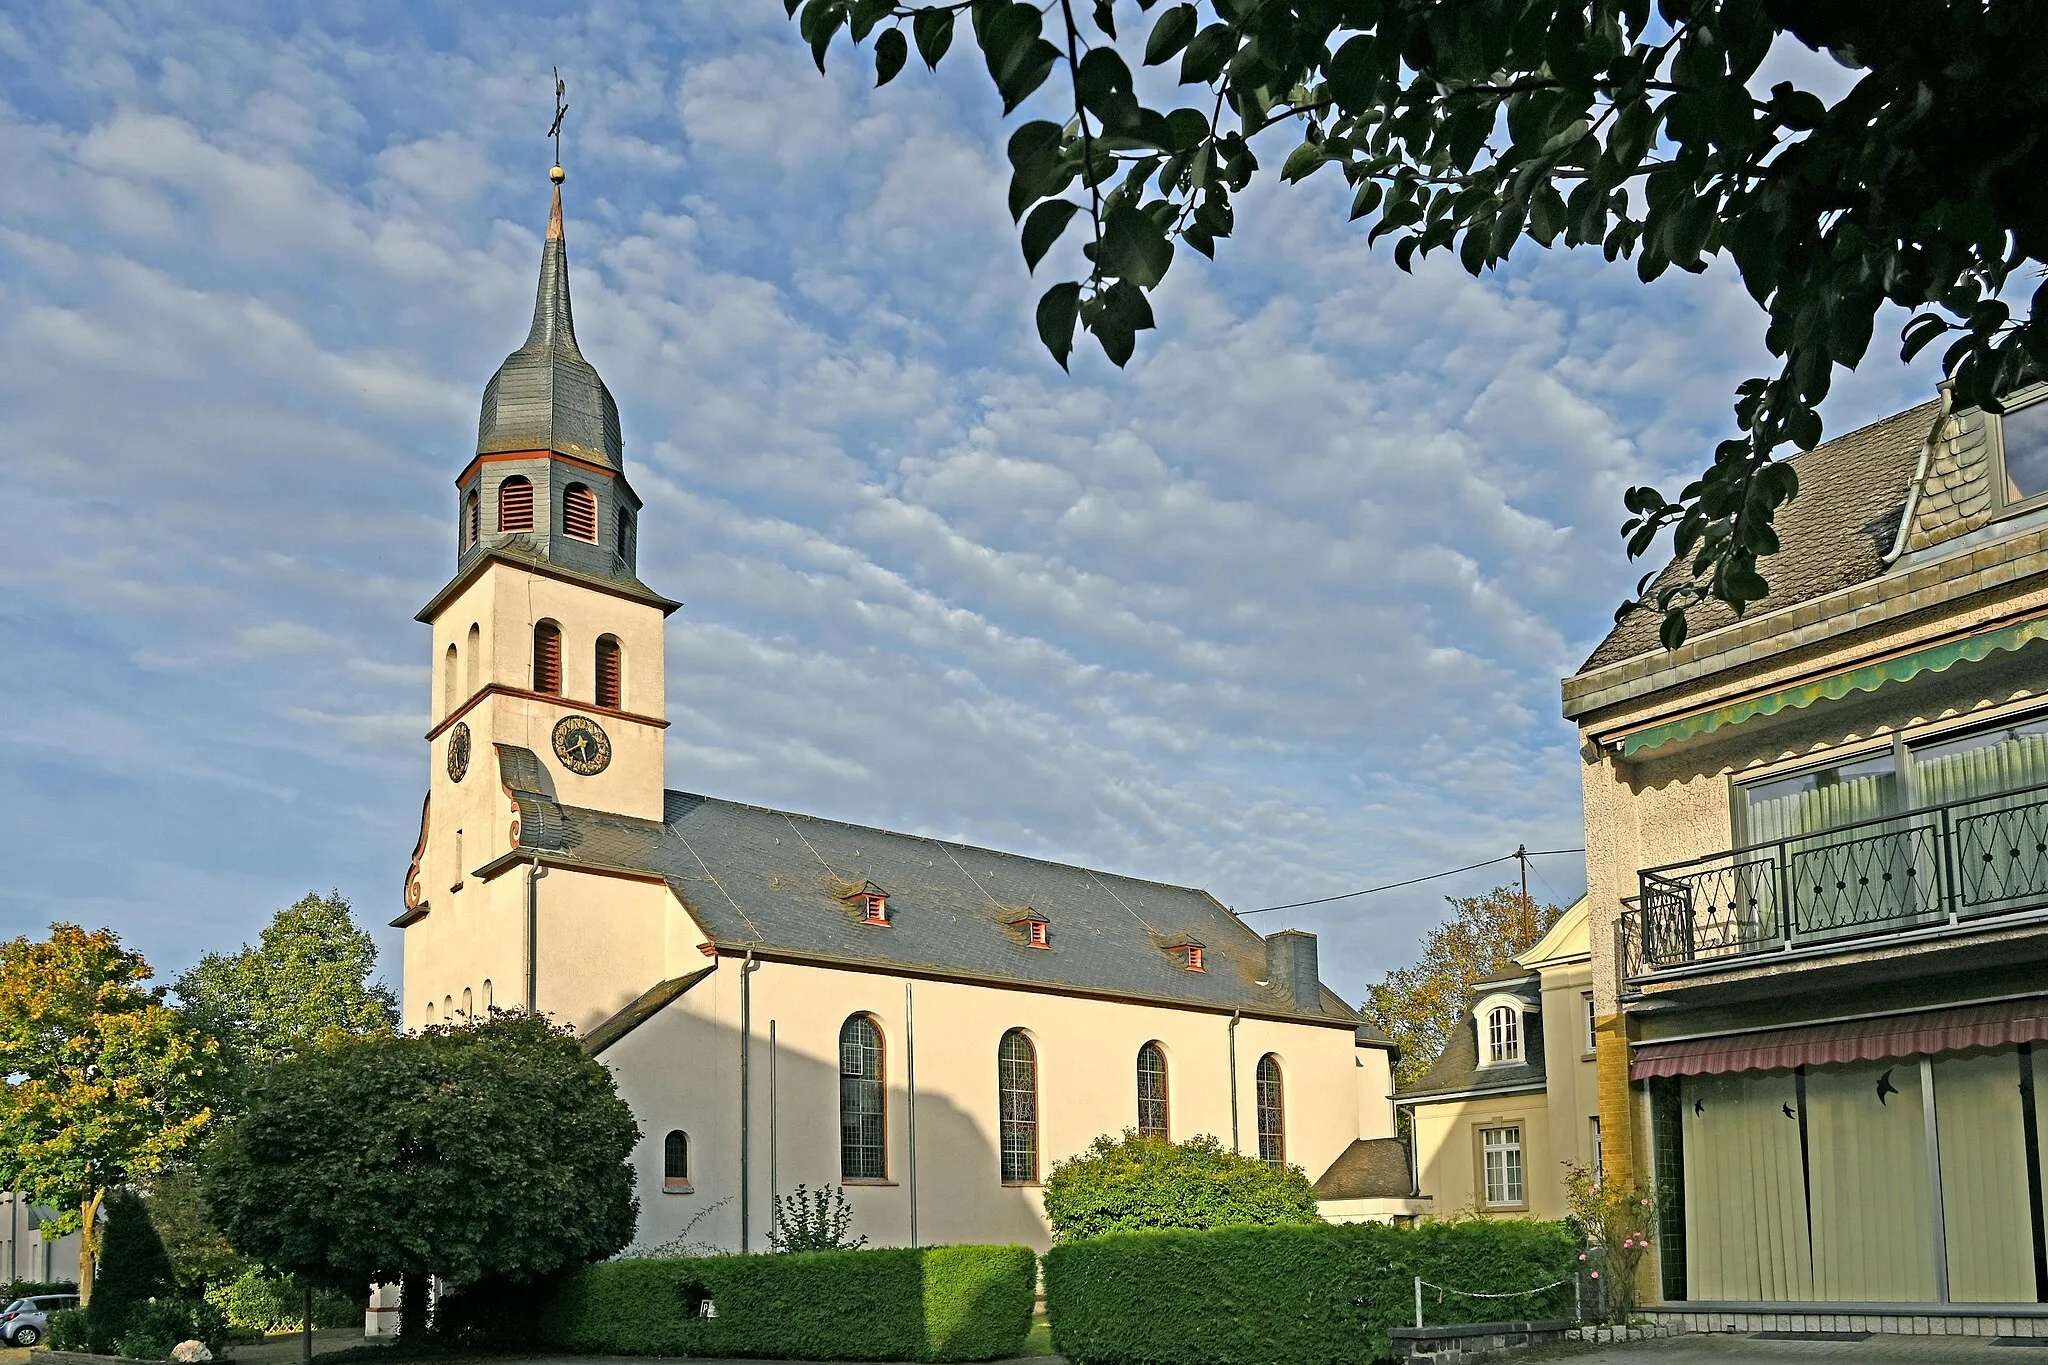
(495, 1149)
(304, 982)
(105, 1084)
(199, 1251)
(1135, 1183)
(133, 1269)
(1473, 125)
(1419, 1006)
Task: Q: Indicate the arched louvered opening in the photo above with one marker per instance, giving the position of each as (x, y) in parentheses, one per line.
(1272, 1105)
(579, 513)
(863, 1149)
(675, 1161)
(449, 698)
(624, 534)
(515, 504)
(476, 639)
(611, 668)
(1152, 1090)
(547, 658)
(1017, 1112)
(472, 518)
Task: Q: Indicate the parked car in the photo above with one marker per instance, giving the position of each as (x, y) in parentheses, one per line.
(25, 1322)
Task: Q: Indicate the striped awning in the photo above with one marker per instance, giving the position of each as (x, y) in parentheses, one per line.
(1863, 678)
(2004, 1024)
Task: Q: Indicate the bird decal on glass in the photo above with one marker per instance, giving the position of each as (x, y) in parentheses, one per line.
(1788, 1111)
(1885, 1086)
(1699, 1107)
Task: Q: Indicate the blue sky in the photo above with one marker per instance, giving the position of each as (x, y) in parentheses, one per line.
(1280, 610)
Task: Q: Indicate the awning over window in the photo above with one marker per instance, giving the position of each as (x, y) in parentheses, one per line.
(1865, 1040)
(1866, 678)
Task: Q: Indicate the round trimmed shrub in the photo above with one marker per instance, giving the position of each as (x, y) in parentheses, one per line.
(1141, 1184)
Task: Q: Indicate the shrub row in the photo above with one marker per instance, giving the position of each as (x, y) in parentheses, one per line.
(935, 1303)
(1291, 1295)
(256, 1302)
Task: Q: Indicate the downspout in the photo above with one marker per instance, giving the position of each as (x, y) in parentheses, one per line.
(533, 876)
(747, 970)
(1234, 1014)
(774, 1138)
(910, 1081)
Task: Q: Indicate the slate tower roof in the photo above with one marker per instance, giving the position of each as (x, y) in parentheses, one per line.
(546, 396)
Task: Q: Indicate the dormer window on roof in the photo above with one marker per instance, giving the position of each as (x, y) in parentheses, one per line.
(1499, 1018)
(1187, 954)
(1037, 932)
(871, 902)
(877, 908)
(2023, 452)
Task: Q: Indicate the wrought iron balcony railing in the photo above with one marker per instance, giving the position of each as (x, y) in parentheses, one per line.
(1940, 865)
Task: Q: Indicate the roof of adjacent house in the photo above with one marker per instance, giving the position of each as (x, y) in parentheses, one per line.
(1835, 534)
(786, 884)
(1370, 1168)
(1457, 1069)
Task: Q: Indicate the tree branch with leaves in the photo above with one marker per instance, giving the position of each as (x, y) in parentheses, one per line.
(1473, 126)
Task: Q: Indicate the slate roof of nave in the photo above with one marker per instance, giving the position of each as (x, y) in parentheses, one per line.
(776, 881)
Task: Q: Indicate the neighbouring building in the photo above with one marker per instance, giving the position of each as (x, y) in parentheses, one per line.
(1514, 1097)
(25, 1254)
(1818, 878)
(786, 999)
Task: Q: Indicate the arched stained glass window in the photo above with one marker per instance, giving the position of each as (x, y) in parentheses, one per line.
(1017, 1118)
(1152, 1090)
(863, 1145)
(1272, 1112)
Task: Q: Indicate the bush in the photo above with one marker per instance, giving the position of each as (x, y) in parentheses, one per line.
(490, 1314)
(814, 1220)
(1300, 1295)
(255, 1301)
(133, 1269)
(930, 1303)
(69, 1331)
(157, 1325)
(1136, 1184)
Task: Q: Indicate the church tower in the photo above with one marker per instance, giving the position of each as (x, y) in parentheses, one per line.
(547, 647)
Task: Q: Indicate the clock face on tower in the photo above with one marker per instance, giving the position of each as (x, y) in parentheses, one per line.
(582, 745)
(458, 752)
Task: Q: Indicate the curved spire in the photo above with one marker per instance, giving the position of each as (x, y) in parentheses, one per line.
(546, 396)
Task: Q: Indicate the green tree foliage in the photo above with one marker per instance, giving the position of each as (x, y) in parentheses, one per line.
(199, 1251)
(1418, 1006)
(133, 1269)
(1471, 126)
(105, 1084)
(305, 982)
(494, 1149)
(1135, 1183)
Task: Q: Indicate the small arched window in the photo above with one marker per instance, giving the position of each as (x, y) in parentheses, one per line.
(489, 1000)
(449, 699)
(547, 658)
(675, 1162)
(472, 519)
(610, 673)
(1017, 1117)
(1152, 1090)
(863, 1148)
(1503, 1034)
(430, 1014)
(515, 504)
(1272, 1105)
(468, 1005)
(579, 513)
(476, 639)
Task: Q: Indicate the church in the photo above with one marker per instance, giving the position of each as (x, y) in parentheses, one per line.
(786, 999)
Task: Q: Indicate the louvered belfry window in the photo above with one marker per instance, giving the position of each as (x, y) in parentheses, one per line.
(609, 689)
(579, 513)
(472, 518)
(515, 504)
(547, 658)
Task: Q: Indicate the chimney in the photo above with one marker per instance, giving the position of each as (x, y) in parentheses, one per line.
(1291, 968)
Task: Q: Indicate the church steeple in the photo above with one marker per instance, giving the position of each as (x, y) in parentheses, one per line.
(546, 396)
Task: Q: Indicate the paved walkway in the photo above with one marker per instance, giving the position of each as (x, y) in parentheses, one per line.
(1729, 1348)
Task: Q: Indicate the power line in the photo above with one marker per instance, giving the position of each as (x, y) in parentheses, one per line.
(1414, 881)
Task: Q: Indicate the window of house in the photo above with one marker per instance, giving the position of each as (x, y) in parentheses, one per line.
(579, 513)
(675, 1162)
(515, 504)
(1272, 1112)
(1821, 799)
(1592, 1022)
(547, 658)
(1593, 1146)
(1503, 1034)
(863, 1154)
(610, 672)
(1985, 763)
(1501, 1160)
(1152, 1090)
(1017, 1118)
(2023, 441)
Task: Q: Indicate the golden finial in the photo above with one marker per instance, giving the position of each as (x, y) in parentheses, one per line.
(557, 174)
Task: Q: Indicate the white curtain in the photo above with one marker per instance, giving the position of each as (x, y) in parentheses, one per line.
(1984, 1178)
(1873, 1215)
(1745, 1205)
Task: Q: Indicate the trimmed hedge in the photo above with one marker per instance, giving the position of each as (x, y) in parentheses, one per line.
(929, 1303)
(1291, 1295)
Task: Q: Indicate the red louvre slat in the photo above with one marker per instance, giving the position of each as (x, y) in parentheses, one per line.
(547, 659)
(608, 689)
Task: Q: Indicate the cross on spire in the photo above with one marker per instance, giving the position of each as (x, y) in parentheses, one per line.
(555, 128)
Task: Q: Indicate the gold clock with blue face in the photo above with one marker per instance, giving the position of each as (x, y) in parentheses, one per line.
(458, 751)
(582, 745)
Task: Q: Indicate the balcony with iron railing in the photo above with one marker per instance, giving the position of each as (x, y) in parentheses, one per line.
(1949, 869)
